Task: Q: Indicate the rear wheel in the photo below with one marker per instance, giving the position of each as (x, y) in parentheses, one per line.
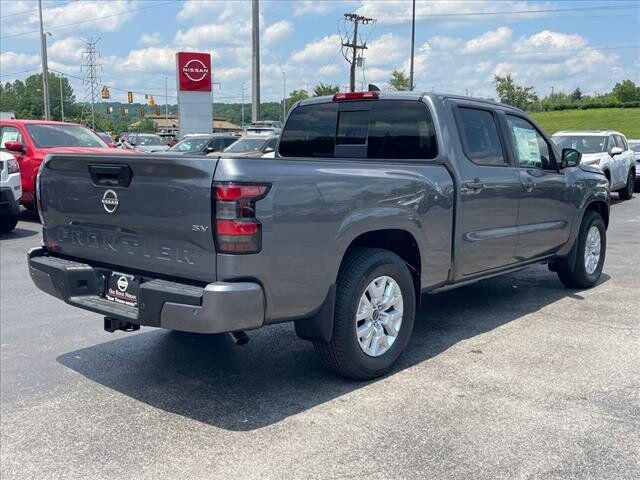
(627, 192)
(374, 314)
(591, 246)
(7, 224)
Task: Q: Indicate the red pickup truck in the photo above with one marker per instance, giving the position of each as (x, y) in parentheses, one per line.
(31, 140)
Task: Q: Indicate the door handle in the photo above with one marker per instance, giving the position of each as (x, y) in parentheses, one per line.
(475, 185)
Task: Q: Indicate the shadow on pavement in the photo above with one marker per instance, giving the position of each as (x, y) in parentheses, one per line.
(208, 379)
(18, 233)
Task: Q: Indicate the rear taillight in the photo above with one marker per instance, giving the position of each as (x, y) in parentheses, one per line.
(236, 228)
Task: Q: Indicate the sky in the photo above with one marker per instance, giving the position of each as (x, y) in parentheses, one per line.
(459, 45)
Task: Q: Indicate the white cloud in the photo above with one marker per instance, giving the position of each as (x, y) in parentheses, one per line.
(317, 7)
(387, 49)
(276, 32)
(78, 15)
(149, 59)
(67, 49)
(318, 51)
(151, 39)
(214, 35)
(491, 40)
(203, 11)
(13, 61)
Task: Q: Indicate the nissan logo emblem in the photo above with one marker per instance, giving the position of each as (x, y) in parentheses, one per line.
(196, 68)
(110, 201)
(123, 284)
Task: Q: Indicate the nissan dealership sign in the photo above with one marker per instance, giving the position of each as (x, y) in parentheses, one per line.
(193, 72)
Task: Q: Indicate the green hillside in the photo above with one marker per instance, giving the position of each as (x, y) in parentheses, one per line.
(625, 120)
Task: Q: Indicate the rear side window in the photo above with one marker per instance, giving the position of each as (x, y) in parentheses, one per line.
(401, 130)
(10, 134)
(480, 137)
(310, 132)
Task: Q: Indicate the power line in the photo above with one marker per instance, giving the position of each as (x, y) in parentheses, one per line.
(532, 52)
(24, 12)
(353, 45)
(89, 20)
(21, 71)
(513, 12)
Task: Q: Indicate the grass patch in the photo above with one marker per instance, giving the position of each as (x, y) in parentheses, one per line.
(625, 120)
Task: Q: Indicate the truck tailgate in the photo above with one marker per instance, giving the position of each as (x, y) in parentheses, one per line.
(134, 212)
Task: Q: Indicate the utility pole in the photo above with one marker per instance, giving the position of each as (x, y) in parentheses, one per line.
(61, 101)
(284, 96)
(45, 68)
(356, 19)
(242, 107)
(166, 104)
(413, 42)
(255, 60)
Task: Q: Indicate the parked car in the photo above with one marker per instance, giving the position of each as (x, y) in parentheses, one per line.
(31, 140)
(607, 150)
(202, 144)
(10, 192)
(635, 146)
(263, 127)
(372, 200)
(146, 142)
(251, 146)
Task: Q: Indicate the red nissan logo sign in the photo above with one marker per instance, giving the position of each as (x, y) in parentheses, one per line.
(194, 71)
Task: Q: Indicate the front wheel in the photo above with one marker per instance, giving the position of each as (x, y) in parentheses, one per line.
(591, 246)
(374, 314)
(627, 192)
(7, 224)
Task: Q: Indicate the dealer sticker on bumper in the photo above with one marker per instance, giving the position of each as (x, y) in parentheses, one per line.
(123, 289)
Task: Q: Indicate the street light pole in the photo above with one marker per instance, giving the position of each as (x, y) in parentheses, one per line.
(413, 41)
(255, 57)
(45, 68)
(166, 104)
(284, 95)
(61, 101)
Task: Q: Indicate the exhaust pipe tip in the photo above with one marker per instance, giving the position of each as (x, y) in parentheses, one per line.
(239, 338)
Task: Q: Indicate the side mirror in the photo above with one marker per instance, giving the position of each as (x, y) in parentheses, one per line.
(14, 146)
(209, 150)
(570, 157)
(616, 151)
(269, 150)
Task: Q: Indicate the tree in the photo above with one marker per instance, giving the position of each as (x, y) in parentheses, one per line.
(147, 126)
(512, 93)
(627, 91)
(576, 95)
(322, 89)
(25, 98)
(399, 81)
(295, 96)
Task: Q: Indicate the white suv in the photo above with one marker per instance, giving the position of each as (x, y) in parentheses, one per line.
(608, 150)
(10, 192)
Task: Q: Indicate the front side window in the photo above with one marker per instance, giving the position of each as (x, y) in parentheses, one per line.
(620, 142)
(47, 136)
(531, 149)
(189, 145)
(480, 137)
(246, 145)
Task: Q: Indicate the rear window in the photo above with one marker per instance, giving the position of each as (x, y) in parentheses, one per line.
(384, 130)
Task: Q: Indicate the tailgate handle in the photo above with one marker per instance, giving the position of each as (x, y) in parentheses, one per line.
(110, 175)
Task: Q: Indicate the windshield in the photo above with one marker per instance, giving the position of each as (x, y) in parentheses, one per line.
(47, 136)
(247, 145)
(147, 140)
(190, 145)
(582, 143)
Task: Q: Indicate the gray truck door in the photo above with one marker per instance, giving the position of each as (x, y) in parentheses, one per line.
(489, 192)
(545, 208)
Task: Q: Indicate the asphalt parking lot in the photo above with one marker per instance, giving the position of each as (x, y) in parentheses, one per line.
(515, 377)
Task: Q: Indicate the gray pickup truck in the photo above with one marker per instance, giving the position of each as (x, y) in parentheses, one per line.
(372, 200)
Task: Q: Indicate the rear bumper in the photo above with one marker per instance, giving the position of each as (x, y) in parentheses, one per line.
(8, 204)
(216, 308)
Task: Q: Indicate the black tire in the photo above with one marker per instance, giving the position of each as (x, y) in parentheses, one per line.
(627, 192)
(343, 353)
(577, 276)
(7, 224)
